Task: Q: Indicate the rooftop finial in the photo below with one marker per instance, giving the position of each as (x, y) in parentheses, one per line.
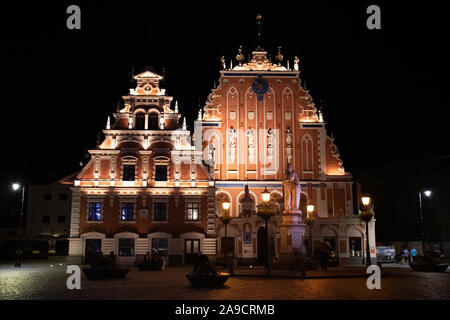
(240, 56)
(108, 123)
(176, 106)
(259, 32)
(184, 123)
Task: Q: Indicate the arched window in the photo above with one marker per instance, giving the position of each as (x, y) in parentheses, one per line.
(153, 123)
(140, 121)
(307, 153)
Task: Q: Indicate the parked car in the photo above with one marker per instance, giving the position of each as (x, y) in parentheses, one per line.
(386, 254)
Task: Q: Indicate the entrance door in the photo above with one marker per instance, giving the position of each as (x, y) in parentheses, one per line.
(191, 250)
(262, 244)
(92, 246)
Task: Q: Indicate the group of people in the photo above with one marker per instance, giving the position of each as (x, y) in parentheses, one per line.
(153, 262)
(408, 256)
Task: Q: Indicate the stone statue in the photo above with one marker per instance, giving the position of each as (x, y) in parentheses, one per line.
(233, 138)
(296, 61)
(250, 138)
(270, 138)
(288, 137)
(223, 62)
(291, 186)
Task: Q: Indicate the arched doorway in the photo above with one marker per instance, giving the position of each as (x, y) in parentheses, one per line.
(262, 244)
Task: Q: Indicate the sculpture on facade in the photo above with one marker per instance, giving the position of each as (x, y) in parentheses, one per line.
(291, 186)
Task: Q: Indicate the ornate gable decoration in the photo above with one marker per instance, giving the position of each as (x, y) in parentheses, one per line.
(147, 84)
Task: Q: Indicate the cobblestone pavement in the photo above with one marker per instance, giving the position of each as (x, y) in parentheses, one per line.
(38, 280)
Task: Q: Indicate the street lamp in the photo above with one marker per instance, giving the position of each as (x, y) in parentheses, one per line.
(226, 218)
(265, 211)
(309, 220)
(366, 215)
(15, 186)
(427, 193)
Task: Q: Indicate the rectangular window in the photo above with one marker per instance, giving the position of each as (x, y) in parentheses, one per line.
(161, 245)
(128, 172)
(47, 196)
(126, 247)
(63, 196)
(45, 219)
(192, 211)
(161, 173)
(61, 219)
(159, 213)
(95, 211)
(127, 213)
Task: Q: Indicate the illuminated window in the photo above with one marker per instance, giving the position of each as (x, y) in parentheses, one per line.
(161, 245)
(159, 211)
(95, 211)
(127, 212)
(128, 172)
(193, 211)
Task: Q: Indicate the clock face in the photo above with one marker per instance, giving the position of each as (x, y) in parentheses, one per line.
(147, 88)
(260, 87)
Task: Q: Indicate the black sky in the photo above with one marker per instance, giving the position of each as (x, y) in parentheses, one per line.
(384, 92)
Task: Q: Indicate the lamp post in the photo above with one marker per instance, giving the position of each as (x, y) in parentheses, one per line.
(427, 193)
(265, 212)
(225, 218)
(15, 187)
(309, 220)
(366, 215)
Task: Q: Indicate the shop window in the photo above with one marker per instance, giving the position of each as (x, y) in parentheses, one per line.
(161, 245)
(95, 211)
(127, 212)
(193, 211)
(126, 247)
(354, 244)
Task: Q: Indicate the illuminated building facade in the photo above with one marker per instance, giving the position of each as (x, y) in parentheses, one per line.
(257, 122)
(145, 187)
(150, 185)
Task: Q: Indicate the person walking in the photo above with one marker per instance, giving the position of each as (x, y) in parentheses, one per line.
(413, 254)
(406, 255)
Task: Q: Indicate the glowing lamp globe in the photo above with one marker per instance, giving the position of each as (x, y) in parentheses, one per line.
(15, 186)
(265, 195)
(365, 200)
(310, 208)
(226, 205)
(427, 193)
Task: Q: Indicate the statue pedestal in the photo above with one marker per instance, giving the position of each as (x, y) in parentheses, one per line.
(292, 231)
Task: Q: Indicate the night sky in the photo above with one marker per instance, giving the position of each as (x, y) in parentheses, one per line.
(384, 93)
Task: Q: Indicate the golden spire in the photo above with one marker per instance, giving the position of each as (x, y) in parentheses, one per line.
(259, 32)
